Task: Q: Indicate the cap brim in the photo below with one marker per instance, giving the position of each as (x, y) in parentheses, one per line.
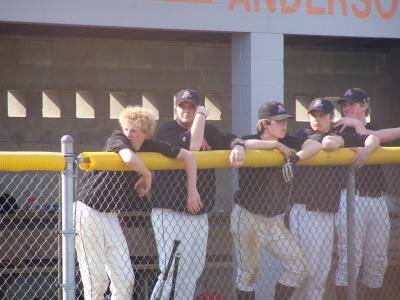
(345, 99)
(281, 117)
(185, 100)
(320, 110)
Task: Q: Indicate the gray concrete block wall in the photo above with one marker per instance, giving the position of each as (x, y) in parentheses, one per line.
(395, 104)
(327, 71)
(66, 65)
(33, 64)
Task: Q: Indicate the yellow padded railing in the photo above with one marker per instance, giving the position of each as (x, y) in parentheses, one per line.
(219, 159)
(31, 161)
(54, 161)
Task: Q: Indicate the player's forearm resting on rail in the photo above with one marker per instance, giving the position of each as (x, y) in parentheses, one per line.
(332, 142)
(309, 149)
(135, 163)
(370, 145)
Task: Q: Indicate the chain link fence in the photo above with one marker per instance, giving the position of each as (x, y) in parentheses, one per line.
(245, 233)
(259, 231)
(30, 245)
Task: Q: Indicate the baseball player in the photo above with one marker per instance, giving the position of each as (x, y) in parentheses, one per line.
(102, 250)
(317, 193)
(175, 218)
(372, 228)
(355, 117)
(261, 202)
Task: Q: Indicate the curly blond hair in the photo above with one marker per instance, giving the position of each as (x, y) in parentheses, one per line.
(140, 117)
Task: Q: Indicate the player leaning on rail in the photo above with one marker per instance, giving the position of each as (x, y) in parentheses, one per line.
(317, 193)
(173, 218)
(262, 201)
(372, 223)
(102, 250)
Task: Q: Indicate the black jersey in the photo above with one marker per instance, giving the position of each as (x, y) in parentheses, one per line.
(318, 187)
(370, 180)
(350, 138)
(263, 190)
(170, 188)
(113, 191)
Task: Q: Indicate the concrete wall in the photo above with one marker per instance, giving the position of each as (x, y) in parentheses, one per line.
(65, 66)
(130, 69)
(312, 71)
(395, 90)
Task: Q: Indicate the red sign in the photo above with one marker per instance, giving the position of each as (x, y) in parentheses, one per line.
(361, 9)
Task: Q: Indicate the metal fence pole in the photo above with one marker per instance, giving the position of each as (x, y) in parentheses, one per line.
(350, 215)
(67, 230)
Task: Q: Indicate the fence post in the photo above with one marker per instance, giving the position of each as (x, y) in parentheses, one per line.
(67, 229)
(350, 216)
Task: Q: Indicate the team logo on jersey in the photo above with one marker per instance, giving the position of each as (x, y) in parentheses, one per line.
(281, 109)
(186, 95)
(205, 146)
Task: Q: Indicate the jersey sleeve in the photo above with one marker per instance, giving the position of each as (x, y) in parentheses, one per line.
(162, 147)
(353, 139)
(308, 133)
(218, 139)
(374, 127)
(117, 142)
(294, 142)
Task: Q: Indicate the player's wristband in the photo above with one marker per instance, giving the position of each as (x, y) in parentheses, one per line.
(239, 144)
(294, 159)
(201, 113)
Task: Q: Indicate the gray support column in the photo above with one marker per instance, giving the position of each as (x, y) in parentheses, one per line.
(67, 229)
(257, 76)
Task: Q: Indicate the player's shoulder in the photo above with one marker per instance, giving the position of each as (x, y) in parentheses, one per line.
(372, 126)
(211, 128)
(116, 136)
(117, 141)
(168, 127)
(306, 131)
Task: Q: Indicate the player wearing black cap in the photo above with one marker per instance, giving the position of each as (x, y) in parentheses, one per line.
(260, 204)
(317, 194)
(355, 108)
(372, 228)
(173, 216)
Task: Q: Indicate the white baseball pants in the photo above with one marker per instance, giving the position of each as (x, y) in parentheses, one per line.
(251, 233)
(102, 254)
(192, 231)
(372, 230)
(314, 232)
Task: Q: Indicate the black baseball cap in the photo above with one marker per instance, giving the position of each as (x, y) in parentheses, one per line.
(273, 110)
(354, 95)
(188, 95)
(323, 105)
